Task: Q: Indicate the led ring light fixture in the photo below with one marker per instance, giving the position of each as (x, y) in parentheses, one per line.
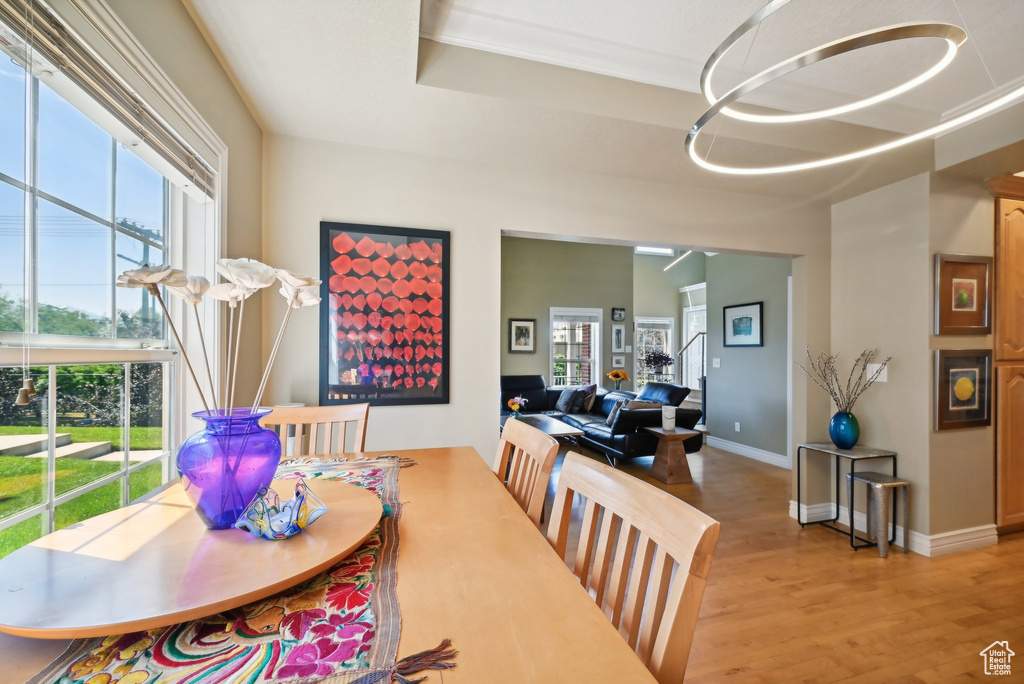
(954, 36)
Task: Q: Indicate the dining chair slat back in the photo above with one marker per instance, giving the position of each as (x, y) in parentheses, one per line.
(318, 429)
(643, 555)
(524, 461)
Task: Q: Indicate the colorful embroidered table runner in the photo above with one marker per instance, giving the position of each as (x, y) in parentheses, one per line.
(340, 627)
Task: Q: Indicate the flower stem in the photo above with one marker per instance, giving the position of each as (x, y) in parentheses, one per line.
(234, 367)
(184, 354)
(273, 354)
(227, 360)
(206, 356)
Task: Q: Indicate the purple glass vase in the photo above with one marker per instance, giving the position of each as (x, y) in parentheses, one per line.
(223, 467)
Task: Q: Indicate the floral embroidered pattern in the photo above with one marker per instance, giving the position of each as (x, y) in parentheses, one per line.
(327, 626)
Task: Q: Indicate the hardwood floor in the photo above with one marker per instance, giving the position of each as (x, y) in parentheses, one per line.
(785, 604)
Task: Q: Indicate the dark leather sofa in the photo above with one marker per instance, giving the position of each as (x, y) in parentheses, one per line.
(625, 437)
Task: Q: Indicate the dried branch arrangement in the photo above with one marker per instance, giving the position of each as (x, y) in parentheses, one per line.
(824, 374)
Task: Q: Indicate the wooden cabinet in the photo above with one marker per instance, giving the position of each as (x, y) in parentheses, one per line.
(1010, 447)
(1009, 316)
(1008, 351)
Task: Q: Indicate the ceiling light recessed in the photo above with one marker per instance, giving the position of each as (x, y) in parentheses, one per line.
(658, 251)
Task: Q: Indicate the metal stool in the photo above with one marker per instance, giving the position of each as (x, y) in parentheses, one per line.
(879, 485)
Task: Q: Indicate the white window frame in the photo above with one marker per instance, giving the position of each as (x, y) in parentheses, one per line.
(557, 311)
(638, 322)
(194, 242)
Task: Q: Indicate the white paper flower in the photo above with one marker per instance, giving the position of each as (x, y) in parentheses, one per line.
(248, 274)
(151, 276)
(230, 293)
(296, 280)
(306, 296)
(193, 290)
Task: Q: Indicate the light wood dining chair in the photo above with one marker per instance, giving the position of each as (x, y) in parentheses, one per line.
(318, 429)
(524, 462)
(632, 539)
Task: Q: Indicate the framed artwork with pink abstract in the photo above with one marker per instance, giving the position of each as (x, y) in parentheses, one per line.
(384, 316)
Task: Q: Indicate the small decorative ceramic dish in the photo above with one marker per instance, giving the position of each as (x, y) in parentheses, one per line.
(267, 517)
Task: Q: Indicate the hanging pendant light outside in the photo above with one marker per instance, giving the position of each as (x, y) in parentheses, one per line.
(29, 385)
(22, 399)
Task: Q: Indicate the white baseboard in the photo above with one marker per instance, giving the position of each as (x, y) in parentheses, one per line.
(931, 546)
(750, 452)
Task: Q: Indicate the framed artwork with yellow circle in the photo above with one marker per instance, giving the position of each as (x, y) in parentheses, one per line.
(963, 388)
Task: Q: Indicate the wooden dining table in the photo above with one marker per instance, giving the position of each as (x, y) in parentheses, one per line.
(471, 567)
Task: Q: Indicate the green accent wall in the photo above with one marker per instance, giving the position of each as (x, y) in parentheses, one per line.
(539, 274)
(750, 385)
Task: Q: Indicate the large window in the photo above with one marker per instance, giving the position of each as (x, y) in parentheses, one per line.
(86, 192)
(575, 346)
(77, 209)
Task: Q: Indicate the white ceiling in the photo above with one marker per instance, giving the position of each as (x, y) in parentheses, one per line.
(358, 72)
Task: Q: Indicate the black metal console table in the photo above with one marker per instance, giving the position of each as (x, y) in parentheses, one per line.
(853, 455)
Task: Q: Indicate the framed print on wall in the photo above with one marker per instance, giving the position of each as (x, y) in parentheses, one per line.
(618, 362)
(522, 335)
(618, 313)
(963, 388)
(384, 315)
(962, 302)
(618, 339)
(742, 325)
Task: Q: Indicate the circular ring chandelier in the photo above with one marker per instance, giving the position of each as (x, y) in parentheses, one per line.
(954, 36)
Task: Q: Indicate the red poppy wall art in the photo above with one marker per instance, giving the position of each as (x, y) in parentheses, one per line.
(384, 317)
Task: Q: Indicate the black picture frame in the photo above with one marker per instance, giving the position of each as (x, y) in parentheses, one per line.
(618, 313)
(522, 336)
(743, 325)
(370, 325)
(963, 388)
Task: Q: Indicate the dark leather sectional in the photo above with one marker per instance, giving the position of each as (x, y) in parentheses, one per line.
(625, 437)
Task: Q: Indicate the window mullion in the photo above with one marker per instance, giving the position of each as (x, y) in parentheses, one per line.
(51, 454)
(126, 407)
(113, 237)
(31, 287)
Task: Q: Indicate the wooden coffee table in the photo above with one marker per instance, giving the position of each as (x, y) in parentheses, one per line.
(154, 563)
(547, 425)
(670, 464)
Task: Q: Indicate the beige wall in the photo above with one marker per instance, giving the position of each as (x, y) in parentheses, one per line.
(167, 32)
(539, 274)
(750, 385)
(962, 484)
(306, 181)
(884, 244)
(881, 294)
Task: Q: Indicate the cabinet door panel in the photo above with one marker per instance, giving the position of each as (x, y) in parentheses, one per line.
(1009, 318)
(1010, 446)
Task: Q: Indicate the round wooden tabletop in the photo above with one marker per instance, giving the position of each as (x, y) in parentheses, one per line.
(154, 564)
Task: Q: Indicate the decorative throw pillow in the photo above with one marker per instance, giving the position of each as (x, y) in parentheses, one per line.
(566, 399)
(637, 404)
(614, 412)
(589, 396)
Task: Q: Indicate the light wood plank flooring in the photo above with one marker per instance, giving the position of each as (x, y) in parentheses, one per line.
(785, 604)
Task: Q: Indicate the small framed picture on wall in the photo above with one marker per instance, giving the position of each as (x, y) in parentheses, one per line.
(742, 324)
(618, 362)
(522, 335)
(618, 339)
(963, 388)
(962, 303)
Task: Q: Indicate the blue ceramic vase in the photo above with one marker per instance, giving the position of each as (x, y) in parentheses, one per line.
(844, 430)
(224, 467)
